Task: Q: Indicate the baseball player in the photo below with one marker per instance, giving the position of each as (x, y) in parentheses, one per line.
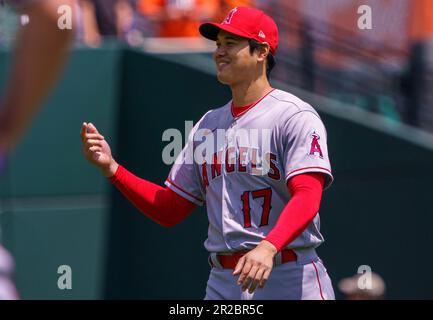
(259, 163)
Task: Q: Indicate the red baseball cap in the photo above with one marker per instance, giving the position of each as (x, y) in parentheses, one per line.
(245, 22)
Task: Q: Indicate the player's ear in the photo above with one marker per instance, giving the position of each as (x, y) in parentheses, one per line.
(263, 51)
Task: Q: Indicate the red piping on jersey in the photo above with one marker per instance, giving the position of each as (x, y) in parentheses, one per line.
(252, 106)
(318, 280)
(171, 182)
(307, 168)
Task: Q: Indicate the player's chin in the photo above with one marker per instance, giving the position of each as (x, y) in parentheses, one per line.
(224, 78)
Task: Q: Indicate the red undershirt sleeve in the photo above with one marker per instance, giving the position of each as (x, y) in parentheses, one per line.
(160, 204)
(306, 190)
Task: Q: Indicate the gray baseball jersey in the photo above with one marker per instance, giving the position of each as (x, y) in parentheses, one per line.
(239, 166)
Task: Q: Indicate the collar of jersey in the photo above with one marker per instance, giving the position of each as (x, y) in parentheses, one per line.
(247, 107)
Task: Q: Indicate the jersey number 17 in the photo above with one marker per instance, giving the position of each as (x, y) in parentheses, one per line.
(266, 194)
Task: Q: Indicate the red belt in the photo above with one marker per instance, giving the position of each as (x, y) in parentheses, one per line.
(230, 261)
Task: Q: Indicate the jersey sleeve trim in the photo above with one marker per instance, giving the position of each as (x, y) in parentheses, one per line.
(329, 177)
(183, 193)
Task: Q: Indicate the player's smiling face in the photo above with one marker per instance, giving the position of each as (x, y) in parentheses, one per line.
(233, 60)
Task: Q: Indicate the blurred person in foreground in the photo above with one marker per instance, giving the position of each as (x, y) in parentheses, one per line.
(353, 289)
(39, 56)
(7, 287)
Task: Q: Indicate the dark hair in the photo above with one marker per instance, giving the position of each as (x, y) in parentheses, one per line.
(270, 59)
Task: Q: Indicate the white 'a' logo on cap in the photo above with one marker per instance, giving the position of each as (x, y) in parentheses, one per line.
(229, 17)
(262, 34)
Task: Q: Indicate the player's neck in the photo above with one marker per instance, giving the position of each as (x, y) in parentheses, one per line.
(249, 92)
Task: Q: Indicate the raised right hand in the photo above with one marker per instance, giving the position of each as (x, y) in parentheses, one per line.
(96, 150)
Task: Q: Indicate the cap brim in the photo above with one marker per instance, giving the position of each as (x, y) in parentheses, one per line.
(210, 30)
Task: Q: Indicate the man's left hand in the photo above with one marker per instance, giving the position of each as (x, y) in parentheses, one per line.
(255, 266)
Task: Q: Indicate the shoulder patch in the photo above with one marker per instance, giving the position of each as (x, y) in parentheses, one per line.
(315, 145)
